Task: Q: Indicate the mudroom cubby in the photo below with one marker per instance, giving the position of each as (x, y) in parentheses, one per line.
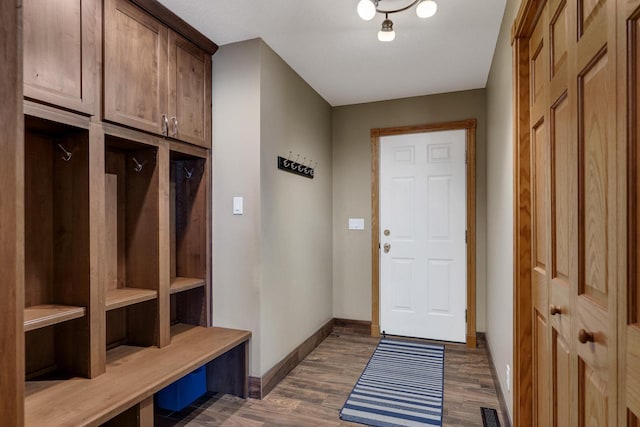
(131, 260)
(188, 238)
(56, 248)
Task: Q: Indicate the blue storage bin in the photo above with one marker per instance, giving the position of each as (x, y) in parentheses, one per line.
(181, 393)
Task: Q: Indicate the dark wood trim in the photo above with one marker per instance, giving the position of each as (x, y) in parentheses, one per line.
(260, 387)
(355, 326)
(470, 126)
(177, 24)
(496, 384)
(255, 387)
(11, 215)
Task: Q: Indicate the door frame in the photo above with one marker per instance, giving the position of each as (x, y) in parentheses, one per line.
(522, 225)
(469, 126)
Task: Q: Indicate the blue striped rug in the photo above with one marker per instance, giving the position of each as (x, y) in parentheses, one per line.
(402, 385)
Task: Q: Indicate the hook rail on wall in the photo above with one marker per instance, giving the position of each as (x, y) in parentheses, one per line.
(297, 168)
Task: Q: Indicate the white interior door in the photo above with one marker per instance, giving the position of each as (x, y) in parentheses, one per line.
(423, 256)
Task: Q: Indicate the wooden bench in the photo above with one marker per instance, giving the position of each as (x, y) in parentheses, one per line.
(124, 394)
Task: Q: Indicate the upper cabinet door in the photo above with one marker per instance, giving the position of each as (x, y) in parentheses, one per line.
(189, 92)
(60, 52)
(135, 68)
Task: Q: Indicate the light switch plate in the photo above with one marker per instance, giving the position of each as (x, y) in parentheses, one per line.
(356, 223)
(237, 206)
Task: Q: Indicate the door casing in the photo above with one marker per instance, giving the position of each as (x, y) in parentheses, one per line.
(469, 126)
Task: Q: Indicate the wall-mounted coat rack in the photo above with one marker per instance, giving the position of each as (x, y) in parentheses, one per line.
(298, 168)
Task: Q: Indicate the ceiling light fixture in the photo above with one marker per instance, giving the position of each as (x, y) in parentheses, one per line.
(367, 10)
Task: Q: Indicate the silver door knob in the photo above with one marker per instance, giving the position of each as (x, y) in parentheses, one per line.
(387, 247)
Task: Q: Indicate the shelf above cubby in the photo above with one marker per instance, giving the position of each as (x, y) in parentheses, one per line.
(41, 316)
(181, 284)
(123, 297)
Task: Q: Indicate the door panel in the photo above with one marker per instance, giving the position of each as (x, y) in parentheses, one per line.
(595, 299)
(596, 135)
(630, 324)
(561, 380)
(540, 206)
(541, 368)
(189, 91)
(423, 207)
(135, 70)
(60, 52)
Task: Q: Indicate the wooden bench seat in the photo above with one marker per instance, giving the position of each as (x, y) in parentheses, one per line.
(135, 374)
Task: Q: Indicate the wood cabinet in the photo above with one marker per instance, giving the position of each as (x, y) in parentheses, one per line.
(101, 202)
(61, 52)
(189, 91)
(154, 79)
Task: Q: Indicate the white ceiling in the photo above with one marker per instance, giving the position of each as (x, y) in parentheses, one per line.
(339, 55)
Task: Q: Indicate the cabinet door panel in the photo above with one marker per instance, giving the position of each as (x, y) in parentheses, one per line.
(135, 79)
(60, 58)
(189, 91)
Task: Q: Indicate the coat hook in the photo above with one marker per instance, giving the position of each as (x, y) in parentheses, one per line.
(287, 162)
(138, 167)
(297, 158)
(67, 154)
(188, 173)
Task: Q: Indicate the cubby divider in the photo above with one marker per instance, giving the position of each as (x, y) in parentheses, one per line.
(132, 270)
(188, 239)
(57, 265)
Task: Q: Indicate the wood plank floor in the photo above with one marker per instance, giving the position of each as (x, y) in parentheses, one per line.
(314, 392)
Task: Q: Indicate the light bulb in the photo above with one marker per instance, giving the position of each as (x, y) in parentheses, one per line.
(386, 36)
(426, 9)
(386, 33)
(366, 10)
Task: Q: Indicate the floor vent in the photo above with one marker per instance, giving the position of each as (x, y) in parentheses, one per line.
(490, 417)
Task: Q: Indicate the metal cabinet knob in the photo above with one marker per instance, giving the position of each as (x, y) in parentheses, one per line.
(175, 126)
(165, 125)
(387, 247)
(554, 309)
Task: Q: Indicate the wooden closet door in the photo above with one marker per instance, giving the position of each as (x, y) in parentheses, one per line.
(593, 72)
(629, 373)
(189, 92)
(574, 223)
(539, 119)
(563, 224)
(135, 69)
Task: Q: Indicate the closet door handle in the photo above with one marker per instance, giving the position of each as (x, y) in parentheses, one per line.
(165, 125)
(554, 309)
(585, 336)
(175, 127)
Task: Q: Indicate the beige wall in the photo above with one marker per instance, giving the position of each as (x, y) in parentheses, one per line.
(272, 265)
(236, 172)
(296, 211)
(352, 188)
(500, 205)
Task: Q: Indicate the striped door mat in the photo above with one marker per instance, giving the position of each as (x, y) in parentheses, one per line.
(402, 385)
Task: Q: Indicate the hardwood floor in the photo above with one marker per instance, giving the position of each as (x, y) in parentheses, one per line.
(314, 392)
